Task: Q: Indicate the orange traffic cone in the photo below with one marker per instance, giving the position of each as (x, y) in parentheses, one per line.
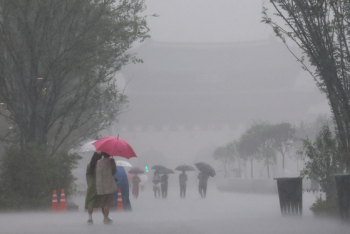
(120, 201)
(63, 207)
(54, 207)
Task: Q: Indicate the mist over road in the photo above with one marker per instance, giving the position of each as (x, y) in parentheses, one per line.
(220, 212)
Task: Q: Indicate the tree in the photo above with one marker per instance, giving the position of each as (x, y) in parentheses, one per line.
(323, 161)
(309, 131)
(320, 29)
(248, 148)
(283, 137)
(223, 154)
(58, 59)
(232, 148)
(266, 142)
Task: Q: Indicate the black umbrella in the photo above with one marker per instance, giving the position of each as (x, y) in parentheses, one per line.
(165, 171)
(184, 168)
(158, 167)
(205, 168)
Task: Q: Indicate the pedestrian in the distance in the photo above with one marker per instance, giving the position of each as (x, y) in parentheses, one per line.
(202, 186)
(135, 186)
(183, 180)
(164, 185)
(156, 184)
(122, 184)
(92, 200)
(105, 183)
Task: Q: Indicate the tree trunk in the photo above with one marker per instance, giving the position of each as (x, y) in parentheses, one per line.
(283, 158)
(297, 165)
(251, 168)
(239, 167)
(268, 170)
(225, 171)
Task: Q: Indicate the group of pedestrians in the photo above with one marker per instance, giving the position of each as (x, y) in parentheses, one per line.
(101, 185)
(160, 184)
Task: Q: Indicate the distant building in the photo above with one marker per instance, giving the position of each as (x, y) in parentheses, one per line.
(205, 94)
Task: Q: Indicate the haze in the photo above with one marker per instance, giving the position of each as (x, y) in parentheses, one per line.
(210, 69)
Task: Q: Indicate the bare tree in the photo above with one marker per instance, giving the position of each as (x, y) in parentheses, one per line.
(284, 136)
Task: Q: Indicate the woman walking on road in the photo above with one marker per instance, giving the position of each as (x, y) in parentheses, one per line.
(135, 185)
(156, 184)
(105, 184)
(92, 200)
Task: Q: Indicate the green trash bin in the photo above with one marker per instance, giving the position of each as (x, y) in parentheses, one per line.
(290, 195)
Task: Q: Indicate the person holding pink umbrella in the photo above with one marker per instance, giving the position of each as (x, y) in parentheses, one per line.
(105, 183)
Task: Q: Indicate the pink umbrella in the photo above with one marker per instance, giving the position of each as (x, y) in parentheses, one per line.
(115, 147)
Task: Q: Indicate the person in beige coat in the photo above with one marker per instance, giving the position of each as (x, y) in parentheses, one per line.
(105, 183)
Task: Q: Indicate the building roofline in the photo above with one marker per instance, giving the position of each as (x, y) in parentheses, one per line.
(208, 45)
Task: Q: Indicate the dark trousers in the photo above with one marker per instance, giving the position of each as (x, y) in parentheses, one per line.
(164, 189)
(182, 190)
(202, 190)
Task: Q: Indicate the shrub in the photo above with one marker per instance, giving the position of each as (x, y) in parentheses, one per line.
(323, 160)
(29, 176)
(325, 208)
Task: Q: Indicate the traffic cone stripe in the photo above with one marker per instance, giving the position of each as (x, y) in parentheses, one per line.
(54, 207)
(62, 207)
(120, 201)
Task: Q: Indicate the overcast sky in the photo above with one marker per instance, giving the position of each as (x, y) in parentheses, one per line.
(207, 20)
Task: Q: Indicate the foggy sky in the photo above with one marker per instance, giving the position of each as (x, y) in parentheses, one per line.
(207, 20)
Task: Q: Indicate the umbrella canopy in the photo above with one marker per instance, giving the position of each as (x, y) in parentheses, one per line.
(122, 163)
(121, 176)
(165, 171)
(88, 147)
(205, 168)
(144, 178)
(136, 170)
(115, 147)
(158, 167)
(184, 168)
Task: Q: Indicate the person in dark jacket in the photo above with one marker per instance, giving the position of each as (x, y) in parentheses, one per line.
(202, 186)
(164, 185)
(183, 180)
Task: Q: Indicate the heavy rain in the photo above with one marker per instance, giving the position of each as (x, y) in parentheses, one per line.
(186, 116)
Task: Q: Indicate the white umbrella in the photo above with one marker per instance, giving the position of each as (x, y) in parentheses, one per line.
(122, 163)
(88, 147)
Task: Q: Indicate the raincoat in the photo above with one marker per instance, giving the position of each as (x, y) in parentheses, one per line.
(123, 185)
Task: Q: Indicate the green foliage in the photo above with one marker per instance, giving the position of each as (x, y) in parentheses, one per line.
(323, 161)
(325, 208)
(58, 60)
(29, 176)
(225, 155)
(320, 30)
